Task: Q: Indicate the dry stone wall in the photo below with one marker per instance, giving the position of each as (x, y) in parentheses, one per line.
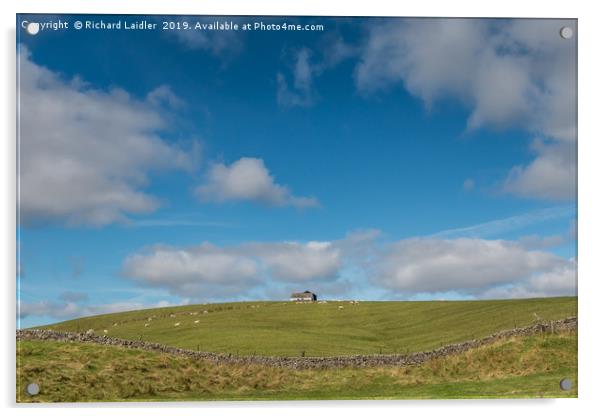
(567, 324)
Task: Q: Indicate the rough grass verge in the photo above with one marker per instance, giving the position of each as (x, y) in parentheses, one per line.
(529, 366)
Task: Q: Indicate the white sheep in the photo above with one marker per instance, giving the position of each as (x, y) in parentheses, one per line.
(197, 321)
(177, 324)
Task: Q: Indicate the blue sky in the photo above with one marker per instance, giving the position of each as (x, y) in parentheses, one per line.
(376, 159)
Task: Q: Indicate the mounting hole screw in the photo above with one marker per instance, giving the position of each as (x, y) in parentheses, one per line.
(566, 384)
(33, 389)
(32, 28)
(566, 32)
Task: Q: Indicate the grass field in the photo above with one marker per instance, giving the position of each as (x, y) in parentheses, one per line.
(517, 367)
(316, 329)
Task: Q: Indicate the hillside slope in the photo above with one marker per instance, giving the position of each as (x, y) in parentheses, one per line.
(319, 329)
(517, 367)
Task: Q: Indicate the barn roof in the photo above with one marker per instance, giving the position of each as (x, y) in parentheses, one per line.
(305, 294)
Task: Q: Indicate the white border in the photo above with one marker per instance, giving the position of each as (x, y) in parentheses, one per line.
(590, 196)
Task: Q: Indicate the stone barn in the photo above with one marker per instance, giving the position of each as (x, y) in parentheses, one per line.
(306, 296)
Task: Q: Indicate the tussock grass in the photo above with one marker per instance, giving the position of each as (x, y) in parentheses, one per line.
(516, 367)
(316, 329)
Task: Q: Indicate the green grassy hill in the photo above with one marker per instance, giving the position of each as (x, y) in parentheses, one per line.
(318, 329)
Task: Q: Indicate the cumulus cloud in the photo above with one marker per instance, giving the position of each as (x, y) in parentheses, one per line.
(208, 270)
(552, 175)
(298, 262)
(465, 265)
(85, 154)
(508, 73)
(248, 179)
(202, 265)
(362, 263)
(559, 282)
(536, 242)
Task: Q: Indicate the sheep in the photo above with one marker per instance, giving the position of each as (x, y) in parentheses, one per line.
(146, 324)
(197, 321)
(177, 324)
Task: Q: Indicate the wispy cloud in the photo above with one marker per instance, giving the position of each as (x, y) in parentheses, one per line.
(517, 222)
(170, 222)
(309, 65)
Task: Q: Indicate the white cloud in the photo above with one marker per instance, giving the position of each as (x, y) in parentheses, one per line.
(70, 310)
(559, 282)
(307, 67)
(202, 265)
(301, 93)
(45, 308)
(221, 43)
(508, 73)
(85, 154)
(248, 179)
(412, 52)
(361, 263)
(552, 175)
(504, 225)
(164, 95)
(299, 262)
(465, 265)
(536, 242)
(207, 270)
